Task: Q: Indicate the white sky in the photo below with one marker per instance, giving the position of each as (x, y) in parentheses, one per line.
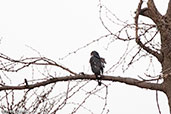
(57, 27)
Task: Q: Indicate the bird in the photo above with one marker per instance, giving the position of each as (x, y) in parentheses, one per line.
(97, 65)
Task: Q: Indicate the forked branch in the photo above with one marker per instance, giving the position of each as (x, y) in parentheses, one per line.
(138, 41)
(151, 11)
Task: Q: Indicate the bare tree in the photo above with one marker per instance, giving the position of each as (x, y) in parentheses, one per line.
(37, 95)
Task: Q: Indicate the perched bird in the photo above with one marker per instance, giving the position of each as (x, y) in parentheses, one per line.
(97, 65)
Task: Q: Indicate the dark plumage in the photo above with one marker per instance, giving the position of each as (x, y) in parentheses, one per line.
(97, 65)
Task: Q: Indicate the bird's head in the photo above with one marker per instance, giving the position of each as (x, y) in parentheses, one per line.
(95, 53)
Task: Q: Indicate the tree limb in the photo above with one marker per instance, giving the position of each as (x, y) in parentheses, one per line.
(138, 41)
(151, 11)
(26, 62)
(129, 81)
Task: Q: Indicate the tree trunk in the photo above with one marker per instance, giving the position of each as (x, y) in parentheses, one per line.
(163, 23)
(166, 64)
(167, 88)
(164, 26)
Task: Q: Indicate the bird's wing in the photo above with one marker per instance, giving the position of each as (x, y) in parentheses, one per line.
(95, 61)
(96, 65)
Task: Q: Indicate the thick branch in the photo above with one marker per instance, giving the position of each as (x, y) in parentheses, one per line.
(129, 81)
(151, 12)
(150, 51)
(138, 41)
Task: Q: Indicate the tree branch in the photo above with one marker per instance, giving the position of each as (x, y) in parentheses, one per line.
(26, 62)
(129, 81)
(151, 12)
(138, 41)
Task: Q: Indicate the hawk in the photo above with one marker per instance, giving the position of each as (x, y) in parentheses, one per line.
(97, 65)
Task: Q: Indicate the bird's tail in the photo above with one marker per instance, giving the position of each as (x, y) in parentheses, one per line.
(98, 77)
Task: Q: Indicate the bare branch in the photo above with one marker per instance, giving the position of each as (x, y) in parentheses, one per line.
(105, 99)
(158, 106)
(26, 62)
(129, 81)
(138, 41)
(84, 46)
(151, 11)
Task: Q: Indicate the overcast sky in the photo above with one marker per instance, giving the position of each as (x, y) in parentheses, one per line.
(57, 27)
